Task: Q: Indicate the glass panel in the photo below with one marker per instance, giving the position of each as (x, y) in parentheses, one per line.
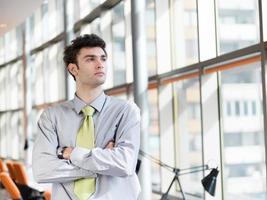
(151, 37)
(48, 75)
(238, 24)
(93, 27)
(3, 88)
(207, 29)
(50, 72)
(14, 87)
(118, 46)
(37, 38)
(85, 8)
(264, 18)
(46, 25)
(211, 128)
(15, 135)
(154, 139)
(95, 3)
(244, 153)
(13, 44)
(34, 116)
(3, 139)
(38, 90)
(188, 133)
(2, 50)
(61, 72)
(121, 96)
(185, 33)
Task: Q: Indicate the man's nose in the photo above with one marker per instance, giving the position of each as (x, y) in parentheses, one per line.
(100, 64)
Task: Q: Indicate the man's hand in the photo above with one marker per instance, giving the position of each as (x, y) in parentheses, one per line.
(110, 144)
(66, 153)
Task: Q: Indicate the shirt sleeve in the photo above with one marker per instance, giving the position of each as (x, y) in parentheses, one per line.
(47, 167)
(119, 161)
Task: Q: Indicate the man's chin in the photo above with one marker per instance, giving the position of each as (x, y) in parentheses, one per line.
(100, 82)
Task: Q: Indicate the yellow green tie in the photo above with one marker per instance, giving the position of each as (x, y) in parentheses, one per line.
(84, 188)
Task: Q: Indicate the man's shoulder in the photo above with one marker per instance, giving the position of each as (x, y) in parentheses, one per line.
(59, 107)
(123, 103)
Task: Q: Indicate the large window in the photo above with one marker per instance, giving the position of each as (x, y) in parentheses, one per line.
(48, 75)
(188, 140)
(185, 33)
(243, 147)
(154, 138)
(151, 37)
(237, 24)
(11, 135)
(118, 45)
(205, 103)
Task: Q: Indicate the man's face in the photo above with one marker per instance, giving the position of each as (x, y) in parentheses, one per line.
(91, 69)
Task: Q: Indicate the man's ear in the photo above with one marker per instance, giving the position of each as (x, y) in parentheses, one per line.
(73, 69)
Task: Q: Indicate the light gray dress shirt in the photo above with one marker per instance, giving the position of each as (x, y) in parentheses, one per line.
(114, 169)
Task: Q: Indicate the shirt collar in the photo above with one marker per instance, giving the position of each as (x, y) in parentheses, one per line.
(97, 103)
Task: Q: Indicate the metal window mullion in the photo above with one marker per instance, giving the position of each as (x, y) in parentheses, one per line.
(263, 72)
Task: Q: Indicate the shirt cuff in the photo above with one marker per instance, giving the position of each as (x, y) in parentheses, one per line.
(78, 154)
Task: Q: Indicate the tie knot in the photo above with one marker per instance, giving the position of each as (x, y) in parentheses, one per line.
(88, 111)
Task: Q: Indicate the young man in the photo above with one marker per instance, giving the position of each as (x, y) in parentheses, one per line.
(88, 146)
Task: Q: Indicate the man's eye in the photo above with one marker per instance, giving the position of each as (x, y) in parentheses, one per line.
(90, 59)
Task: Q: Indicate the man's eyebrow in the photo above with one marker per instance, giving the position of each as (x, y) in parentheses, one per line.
(94, 56)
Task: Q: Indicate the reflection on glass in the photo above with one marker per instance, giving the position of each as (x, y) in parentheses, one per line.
(118, 46)
(238, 24)
(188, 133)
(185, 30)
(154, 139)
(244, 164)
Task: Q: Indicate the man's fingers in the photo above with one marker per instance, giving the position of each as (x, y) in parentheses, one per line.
(110, 144)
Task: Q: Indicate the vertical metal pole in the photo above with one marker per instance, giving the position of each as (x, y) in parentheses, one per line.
(68, 36)
(263, 72)
(65, 44)
(28, 91)
(141, 87)
(24, 78)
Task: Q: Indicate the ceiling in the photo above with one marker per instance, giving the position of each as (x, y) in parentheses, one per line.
(14, 12)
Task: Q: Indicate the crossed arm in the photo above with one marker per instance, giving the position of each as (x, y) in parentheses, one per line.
(67, 151)
(113, 160)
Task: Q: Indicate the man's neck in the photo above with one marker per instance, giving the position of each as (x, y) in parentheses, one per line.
(88, 94)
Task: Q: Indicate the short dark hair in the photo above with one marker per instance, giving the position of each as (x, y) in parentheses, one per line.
(87, 40)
